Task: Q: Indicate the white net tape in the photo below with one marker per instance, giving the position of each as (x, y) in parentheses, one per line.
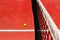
(50, 23)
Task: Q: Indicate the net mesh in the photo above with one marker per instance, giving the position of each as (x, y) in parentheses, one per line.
(45, 33)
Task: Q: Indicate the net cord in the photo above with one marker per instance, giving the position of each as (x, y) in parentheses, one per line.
(49, 21)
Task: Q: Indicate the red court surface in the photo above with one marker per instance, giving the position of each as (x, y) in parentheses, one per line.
(16, 14)
(17, 36)
(53, 7)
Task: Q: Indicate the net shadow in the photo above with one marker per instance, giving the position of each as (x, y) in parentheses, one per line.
(37, 27)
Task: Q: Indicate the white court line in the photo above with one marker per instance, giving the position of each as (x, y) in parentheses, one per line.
(29, 30)
(44, 30)
(24, 30)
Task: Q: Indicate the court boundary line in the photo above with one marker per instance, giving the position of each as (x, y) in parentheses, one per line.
(16, 30)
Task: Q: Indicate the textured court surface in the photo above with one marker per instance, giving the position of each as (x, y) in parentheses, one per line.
(16, 14)
(17, 36)
(53, 7)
